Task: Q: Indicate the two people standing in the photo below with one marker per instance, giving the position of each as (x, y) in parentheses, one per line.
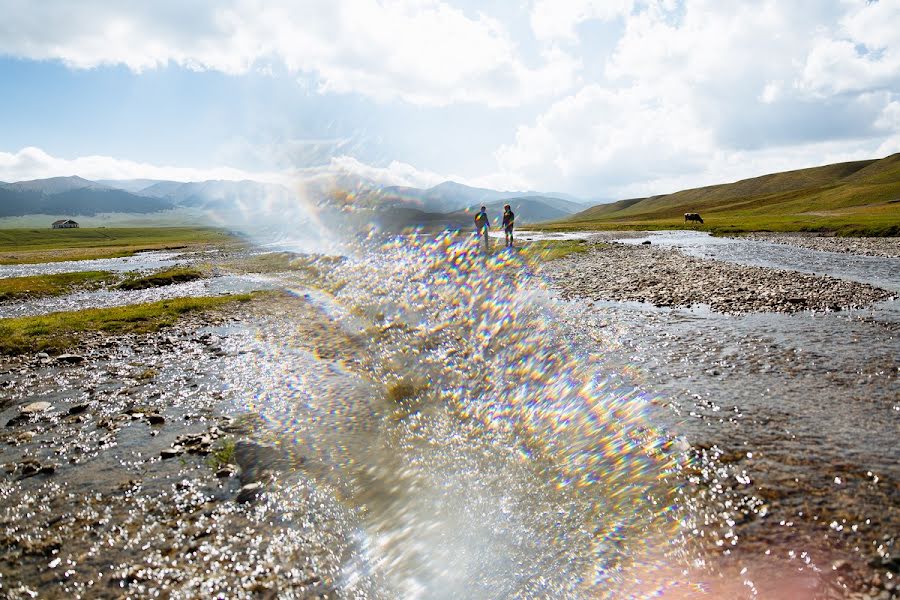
(483, 224)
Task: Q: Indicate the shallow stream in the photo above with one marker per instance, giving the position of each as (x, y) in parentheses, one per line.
(463, 432)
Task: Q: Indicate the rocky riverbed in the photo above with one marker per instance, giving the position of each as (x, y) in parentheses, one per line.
(348, 444)
(888, 247)
(665, 277)
(129, 468)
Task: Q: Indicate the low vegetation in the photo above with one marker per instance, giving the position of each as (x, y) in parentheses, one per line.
(57, 331)
(857, 198)
(547, 250)
(161, 278)
(222, 454)
(37, 286)
(18, 246)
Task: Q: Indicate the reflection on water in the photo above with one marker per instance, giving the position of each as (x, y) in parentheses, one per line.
(142, 261)
(878, 271)
(106, 298)
(490, 451)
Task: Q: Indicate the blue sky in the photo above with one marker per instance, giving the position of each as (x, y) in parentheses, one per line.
(600, 99)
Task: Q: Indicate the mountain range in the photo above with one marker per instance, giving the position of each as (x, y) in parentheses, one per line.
(449, 204)
(851, 197)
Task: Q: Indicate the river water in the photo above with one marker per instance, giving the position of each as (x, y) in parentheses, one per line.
(486, 439)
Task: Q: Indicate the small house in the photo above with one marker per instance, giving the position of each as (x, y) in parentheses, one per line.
(65, 224)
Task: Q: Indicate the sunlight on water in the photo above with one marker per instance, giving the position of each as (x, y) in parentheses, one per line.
(486, 447)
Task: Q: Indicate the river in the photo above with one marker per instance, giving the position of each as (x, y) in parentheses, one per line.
(480, 437)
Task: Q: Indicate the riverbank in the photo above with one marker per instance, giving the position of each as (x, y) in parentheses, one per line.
(310, 442)
(665, 277)
(139, 433)
(888, 247)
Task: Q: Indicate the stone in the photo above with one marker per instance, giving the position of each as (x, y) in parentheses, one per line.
(226, 471)
(156, 419)
(77, 409)
(171, 453)
(249, 492)
(70, 359)
(34, 408)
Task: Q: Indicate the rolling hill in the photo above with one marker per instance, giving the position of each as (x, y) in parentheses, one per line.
(72, 196)
(860, 197)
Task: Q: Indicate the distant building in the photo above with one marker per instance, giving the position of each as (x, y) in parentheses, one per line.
(64, 224)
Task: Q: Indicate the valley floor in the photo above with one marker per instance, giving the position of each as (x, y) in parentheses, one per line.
(186, 461)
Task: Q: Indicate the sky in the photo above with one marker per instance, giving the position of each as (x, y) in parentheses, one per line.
(600, 99)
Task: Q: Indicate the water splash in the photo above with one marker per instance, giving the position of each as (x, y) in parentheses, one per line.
(486, 446)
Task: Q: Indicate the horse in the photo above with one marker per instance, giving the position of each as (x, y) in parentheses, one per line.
(693, 217)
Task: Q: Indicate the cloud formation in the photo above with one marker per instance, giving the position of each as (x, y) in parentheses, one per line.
(34, 163)
(704, 92)
(677, 94)
(421, 51)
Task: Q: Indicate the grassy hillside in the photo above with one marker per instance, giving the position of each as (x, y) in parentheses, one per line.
(861, 198)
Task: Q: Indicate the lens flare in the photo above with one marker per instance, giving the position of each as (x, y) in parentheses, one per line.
(474, 425)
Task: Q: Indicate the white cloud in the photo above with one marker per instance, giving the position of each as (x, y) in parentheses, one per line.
(706, 92)
(34, 163)
(861, 54)
(556, 19)
(422, 51)
(396, 173)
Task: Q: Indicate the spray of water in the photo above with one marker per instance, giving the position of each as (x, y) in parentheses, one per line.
(477, 430)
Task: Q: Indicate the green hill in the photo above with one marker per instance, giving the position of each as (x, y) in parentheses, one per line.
(853, 198)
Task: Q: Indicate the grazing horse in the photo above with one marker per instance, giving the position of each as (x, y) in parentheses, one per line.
(693, 217)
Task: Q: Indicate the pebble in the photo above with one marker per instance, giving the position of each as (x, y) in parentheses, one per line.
(249, 492)
(34, 408)
(667, 278)
(71, 359)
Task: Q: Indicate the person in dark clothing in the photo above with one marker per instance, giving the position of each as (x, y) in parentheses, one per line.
(482, 225)
(509, 220)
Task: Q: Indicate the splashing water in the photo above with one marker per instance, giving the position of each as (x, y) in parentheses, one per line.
(477, 432)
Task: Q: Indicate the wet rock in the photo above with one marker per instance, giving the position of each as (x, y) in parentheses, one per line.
(171, 452)
(257, 460)
(226, 471)
(32, 467)
(249, 492)
(78, 409)
(35, 408)
(70, 359)
(156, 419)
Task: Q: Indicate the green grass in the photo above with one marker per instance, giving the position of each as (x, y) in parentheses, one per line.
(547, 250)
(47, 245)
(859, 198)
(161, 278)
(58, 331)
(222, 454)
(36, 286)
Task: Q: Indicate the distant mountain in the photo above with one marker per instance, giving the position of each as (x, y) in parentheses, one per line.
(129, 185)
(54, 185)
(531, 209)
(860, 196)
(450, 196)
(344, 196)
(72, 196)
